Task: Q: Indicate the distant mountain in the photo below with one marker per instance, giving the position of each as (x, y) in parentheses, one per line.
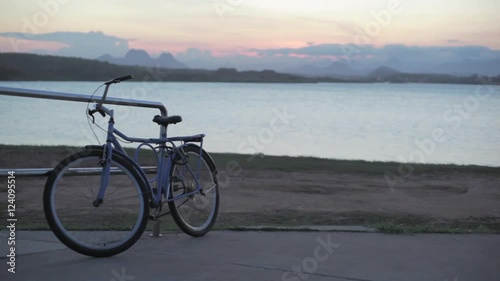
(469, 67)
(339, 69)
(334, 69)
(342, 70)
(142, 58)
(383, 72)
(168, 61)
(396, 63)
(136, 57)
(106, 58)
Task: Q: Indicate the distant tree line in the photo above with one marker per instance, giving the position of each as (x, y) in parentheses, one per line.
(436, 78)
(31, 67)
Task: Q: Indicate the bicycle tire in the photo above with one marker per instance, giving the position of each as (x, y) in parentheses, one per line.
(208, 176)
(110, 219)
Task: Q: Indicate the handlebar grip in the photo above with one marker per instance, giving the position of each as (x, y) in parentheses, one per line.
(118, 79)
(123, 78)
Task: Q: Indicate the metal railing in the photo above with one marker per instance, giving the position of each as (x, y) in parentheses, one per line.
(40, 172)
(40, 94)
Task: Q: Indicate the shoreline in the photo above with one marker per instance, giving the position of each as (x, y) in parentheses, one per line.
(274, 160)
(273, 82)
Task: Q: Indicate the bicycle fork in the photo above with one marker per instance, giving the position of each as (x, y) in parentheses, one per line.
(106, 162)
(106, 170)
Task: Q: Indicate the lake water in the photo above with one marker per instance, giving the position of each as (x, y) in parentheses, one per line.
(429, 123)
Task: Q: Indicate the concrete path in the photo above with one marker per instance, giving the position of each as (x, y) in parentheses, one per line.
(277, 256)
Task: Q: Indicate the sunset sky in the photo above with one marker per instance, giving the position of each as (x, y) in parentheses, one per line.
(238, 26)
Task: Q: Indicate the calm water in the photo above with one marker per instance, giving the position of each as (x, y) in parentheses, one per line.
(388, 122)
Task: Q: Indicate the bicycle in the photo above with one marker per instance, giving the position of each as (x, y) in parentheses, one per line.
(98, 201)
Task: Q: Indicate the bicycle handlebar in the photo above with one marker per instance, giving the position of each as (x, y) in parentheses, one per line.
(118, 79)
(99, 108)
(113, 81)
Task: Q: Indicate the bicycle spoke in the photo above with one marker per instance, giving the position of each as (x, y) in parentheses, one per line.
(196, 214)
(210, 188)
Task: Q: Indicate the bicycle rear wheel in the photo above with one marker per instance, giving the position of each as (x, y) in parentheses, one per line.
(106, 230)
(195, 214)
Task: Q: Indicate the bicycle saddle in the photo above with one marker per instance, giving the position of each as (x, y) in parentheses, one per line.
(165, 121)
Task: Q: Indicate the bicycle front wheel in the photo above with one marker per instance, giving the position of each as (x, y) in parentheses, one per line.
(108, 229)
(195, 214)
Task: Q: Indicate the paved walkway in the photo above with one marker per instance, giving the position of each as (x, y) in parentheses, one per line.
(277, 256)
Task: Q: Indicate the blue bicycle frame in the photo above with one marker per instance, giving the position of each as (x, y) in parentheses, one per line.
(162, 177)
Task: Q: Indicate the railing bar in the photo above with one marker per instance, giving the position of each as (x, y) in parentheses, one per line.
(30, 93)
(35, 172)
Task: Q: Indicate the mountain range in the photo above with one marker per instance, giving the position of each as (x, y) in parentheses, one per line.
(348, 70)
(31, 67)
(142, 58)
(326, 68)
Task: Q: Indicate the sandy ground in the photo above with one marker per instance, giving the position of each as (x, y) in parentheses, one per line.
(314, 197)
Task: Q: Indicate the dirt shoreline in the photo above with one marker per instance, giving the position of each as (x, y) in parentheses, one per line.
(297, 193)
